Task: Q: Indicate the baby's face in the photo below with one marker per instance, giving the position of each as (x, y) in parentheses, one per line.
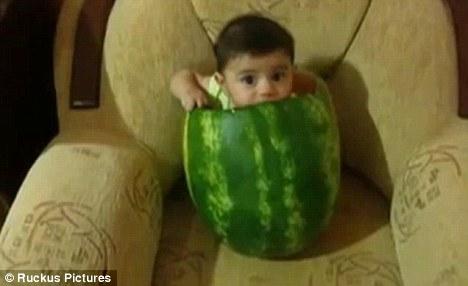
(252, 79)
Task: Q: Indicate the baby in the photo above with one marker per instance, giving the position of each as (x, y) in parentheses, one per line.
(255, 57)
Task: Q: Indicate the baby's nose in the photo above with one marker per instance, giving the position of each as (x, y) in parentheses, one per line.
(266, 88)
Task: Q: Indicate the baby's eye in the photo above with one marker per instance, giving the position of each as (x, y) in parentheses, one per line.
(248, 79)
(277, 76)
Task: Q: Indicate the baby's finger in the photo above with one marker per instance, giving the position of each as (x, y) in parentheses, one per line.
(205, 100)
(201, 100)
(188, 104)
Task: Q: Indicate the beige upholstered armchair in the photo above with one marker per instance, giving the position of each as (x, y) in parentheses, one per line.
(107, 192)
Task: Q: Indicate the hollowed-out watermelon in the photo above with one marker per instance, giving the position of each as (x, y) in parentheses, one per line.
(264, 178)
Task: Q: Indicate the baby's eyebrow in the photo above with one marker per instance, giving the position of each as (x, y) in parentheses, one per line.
(246, 71)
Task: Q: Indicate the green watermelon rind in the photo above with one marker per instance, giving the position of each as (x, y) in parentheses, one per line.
(220, 218)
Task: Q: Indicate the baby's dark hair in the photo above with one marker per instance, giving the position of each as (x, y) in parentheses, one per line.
(252, 34)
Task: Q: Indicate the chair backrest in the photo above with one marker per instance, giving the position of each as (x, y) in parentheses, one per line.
(320, 38)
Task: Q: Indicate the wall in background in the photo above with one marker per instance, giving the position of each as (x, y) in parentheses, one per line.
(27, 97)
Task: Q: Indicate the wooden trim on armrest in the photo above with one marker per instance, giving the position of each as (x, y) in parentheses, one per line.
(460, 19)
(87, 57)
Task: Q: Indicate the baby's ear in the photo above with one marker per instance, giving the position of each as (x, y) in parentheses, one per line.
(219, 77)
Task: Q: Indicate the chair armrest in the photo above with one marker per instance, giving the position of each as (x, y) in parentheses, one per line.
(429, 211)
(87, 204)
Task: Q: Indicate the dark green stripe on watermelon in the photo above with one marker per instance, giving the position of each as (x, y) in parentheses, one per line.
(260, 176)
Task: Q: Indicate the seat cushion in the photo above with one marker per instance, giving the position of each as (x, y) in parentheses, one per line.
(358, 234)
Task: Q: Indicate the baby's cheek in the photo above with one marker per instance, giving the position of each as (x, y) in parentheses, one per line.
(245, 97)
(249, 100)
(239, 100)
(285, 93)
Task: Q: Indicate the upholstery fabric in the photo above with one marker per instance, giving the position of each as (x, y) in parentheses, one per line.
(99, 195)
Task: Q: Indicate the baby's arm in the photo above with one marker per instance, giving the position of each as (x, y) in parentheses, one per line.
(303, 82)
(190, 88)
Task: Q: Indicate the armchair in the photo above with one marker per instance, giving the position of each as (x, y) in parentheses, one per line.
(108, 192)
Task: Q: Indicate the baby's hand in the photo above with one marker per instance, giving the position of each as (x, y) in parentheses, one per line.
(185, 87)
(193, 98)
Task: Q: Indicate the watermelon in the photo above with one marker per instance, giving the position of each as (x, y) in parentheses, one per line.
(264, 178)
